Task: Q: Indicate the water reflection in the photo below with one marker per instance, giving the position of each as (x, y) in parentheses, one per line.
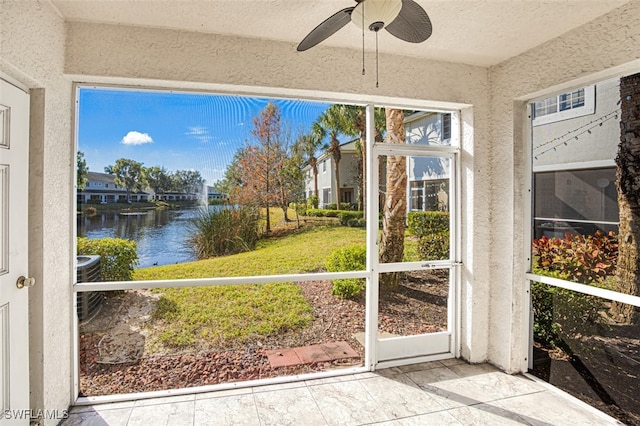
(161, 235)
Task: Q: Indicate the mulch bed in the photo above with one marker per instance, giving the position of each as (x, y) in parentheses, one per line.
(418, 306)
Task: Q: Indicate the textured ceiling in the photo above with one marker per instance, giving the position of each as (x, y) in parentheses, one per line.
(478, 32)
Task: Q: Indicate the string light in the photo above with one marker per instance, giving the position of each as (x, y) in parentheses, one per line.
(584, 129)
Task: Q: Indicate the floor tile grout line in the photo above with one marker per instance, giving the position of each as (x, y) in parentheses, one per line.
(255, 406)
(130, 414)
(315, 401)
(194, 412)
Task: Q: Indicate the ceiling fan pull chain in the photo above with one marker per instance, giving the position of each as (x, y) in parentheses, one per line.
(376, 58)
(362, 38)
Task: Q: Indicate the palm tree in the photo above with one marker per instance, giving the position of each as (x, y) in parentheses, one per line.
(308, 145)
(395, 203)
(332, 122)
(359, 121)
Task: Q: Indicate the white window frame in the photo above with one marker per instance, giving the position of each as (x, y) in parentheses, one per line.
(589, 107)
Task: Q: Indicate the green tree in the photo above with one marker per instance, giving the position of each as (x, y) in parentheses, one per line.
(81, 171)
(188, 181)
(306, 147)
(129, 174)
(158, 179)
(231, 180)
(355, 124)
(290, 177)
(349, 120)
(333, 122)
(259, 166)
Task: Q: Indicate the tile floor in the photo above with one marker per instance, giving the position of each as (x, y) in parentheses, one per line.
(447, 392)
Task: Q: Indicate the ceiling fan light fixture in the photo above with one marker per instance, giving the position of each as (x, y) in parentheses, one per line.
(374, 11)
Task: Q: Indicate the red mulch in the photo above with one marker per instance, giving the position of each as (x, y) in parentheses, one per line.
(418, 306)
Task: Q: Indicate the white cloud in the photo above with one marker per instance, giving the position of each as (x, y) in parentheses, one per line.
(199, 133)
(197, 130)
(136, 138)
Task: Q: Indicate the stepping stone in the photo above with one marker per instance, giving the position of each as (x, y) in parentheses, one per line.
(324, 352)
(313, 353)
(339, 350)
(283, 358)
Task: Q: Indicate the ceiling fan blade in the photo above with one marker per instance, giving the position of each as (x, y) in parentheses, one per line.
(326, 29)
(412, 24)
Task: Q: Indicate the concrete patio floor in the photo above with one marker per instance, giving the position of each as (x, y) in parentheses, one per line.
(448, 392)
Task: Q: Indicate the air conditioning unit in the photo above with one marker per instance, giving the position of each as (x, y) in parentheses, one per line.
(88, 270)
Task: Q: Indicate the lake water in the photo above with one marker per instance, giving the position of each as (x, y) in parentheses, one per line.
(161, 235)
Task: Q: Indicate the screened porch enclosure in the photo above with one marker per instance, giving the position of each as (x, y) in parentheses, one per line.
(584, 306)
(276, 289)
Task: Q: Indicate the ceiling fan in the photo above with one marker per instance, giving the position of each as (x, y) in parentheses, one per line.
(404, 19)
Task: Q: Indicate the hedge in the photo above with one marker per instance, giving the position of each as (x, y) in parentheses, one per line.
(432, 230)
(117, 256)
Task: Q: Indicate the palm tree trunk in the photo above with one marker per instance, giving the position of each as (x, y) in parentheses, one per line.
(315, 181)
(628, 171)
(395, 203)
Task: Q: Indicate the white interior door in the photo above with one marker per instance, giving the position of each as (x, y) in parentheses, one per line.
(14, 320)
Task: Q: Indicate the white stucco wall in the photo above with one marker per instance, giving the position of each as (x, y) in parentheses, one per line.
(603, 48)
(32, 45)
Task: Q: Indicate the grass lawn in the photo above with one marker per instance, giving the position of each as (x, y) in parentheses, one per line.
(302, 251)
(241, 312)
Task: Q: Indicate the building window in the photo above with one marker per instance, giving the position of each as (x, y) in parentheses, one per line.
(324, 166)
(563, 106)
(446, 126)
(575, 201)
(326, 196)
(429, 195)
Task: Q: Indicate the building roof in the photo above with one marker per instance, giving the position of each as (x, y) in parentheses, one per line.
(100, 177)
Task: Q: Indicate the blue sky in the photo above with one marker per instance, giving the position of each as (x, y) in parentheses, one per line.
(176, 130)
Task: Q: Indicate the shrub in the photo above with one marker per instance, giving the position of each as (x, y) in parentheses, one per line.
(313, 202)
(299, 208)
(343, 207)
(432, 230)
(434, 246)
(345, 216)
(585, 259)
(316, 212)
(117, 256)
(426, 223)
(352, 258)
(560, 313)
(357, 223)
(225, 231)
